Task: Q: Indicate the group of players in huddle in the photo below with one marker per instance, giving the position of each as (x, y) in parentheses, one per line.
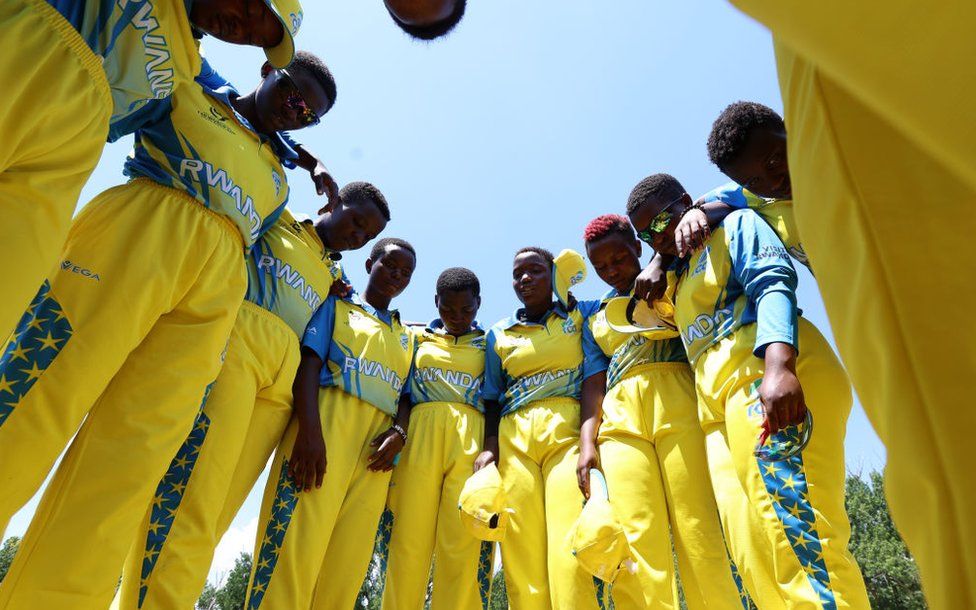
(194, 327)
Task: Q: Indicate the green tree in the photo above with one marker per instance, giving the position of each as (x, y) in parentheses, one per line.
(498, 600)
(232, 594)
(7, 552)
(890, 573)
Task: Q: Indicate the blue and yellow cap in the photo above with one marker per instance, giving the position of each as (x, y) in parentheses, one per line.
(633, 315)
(289, 13)
(568, 269)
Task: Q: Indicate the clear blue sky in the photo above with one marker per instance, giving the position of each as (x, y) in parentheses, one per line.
(528, 121)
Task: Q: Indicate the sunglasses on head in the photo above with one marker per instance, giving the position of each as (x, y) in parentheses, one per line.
(659, 223)
(295, 101)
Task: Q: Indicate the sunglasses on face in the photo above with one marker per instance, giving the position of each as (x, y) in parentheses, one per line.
(295, 101)
(658, 224)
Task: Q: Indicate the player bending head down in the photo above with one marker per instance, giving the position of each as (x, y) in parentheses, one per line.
(426, 19)
(748, 144)
(458, 299)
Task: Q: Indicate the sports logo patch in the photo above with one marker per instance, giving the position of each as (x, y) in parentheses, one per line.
(404, 340)
(702, 261)
(569, 327)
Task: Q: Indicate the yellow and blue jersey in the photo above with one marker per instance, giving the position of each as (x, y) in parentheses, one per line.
(366, 351)
(448, 368)
(742, 276)
(147, 49)
(777, 212)
(623, 352)
(530, 361)
(290, 272)
(203, 147)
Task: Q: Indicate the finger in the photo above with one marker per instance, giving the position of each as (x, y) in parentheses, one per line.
(319, 473)
(586, 483)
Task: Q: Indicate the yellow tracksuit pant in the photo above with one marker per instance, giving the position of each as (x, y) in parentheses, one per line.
(330, 530)
(797, 534)
(129, 331)
(652, 452)
(539, 450)
(847, 106)
(54, 116)
(444, 440)
(212, 473)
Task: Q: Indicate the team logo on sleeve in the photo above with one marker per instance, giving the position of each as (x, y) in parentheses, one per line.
(404, 340)
(702, 261)
(478, 342)
(277, 182)
(569, 327)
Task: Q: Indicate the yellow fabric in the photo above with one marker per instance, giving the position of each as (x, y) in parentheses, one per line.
(802, 531)
(168, 563)
(131, 333)
(846, 106)
(538, 455)
(483, 505)
(49, 149)
(652, 451)
(600, 543)
(330, 529)
(447, 368)
(438, 458)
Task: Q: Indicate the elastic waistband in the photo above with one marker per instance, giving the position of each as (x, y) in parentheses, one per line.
(91, 62)
(226, 224)
(442, 404)
(353, 399)
(546, 403)
(249, 309)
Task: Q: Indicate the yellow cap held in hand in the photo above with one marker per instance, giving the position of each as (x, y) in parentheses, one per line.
(289, 13)
(568, 269)
(483, 505)
(599, 542)
(632, 315)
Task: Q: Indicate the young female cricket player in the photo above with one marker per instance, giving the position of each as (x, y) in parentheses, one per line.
(736, 311)
(651, 449)
(82, 71)
(290, 272)
(446, 429)
(319, 518)
(131, 327)
(536, 373)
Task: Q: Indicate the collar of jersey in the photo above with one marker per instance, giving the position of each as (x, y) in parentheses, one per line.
(228, 92)
(436, 326)
(513, 320)
(387, 316)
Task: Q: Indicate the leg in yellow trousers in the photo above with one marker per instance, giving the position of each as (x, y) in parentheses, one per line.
(54, 116)
(438, 458)
(139, 336)
(799, 501)
(538, 456)
(846, 106)
(652, 451)
(296, 530)
(168, 564)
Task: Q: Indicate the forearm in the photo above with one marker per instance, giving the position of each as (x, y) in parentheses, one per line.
(591, 407)
(715, 212)
(306, 160)
(779, 357)
(306, 391)
(402, 418)
(493, 415)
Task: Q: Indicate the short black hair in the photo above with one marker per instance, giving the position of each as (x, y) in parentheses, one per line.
(659, 186)
(732, 129)
(458, 279)
(434, 30)
(357, 192)
(310, 64)
(547, 255)
(380, 247)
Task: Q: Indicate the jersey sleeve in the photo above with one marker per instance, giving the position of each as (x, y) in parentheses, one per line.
(494, 384)
(731, 194)
(594, 360)
(318, 333)
(762, 266)
(210, 78)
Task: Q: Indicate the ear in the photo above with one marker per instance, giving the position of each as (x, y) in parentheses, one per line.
(369, 266)
(637, 247)
(266, 69)
(326, 208)
(478, 299)
(437, 301)
(686, 200)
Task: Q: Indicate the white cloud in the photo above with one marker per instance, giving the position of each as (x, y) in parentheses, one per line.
(236, 540)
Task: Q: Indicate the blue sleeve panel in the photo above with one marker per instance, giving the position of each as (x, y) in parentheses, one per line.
(318, 333)
(594, 360)
(731, 194)
(494, 385)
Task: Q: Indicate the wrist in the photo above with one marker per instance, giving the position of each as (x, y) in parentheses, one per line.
(779, 357)
(400, 431)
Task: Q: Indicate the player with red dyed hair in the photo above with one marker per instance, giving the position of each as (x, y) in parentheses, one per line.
(647, 441)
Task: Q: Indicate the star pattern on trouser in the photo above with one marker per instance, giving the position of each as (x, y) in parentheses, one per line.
(169, 494)
(282, 509)
(486, 559)
(602, 591)
(786, 484)
(41, 334)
